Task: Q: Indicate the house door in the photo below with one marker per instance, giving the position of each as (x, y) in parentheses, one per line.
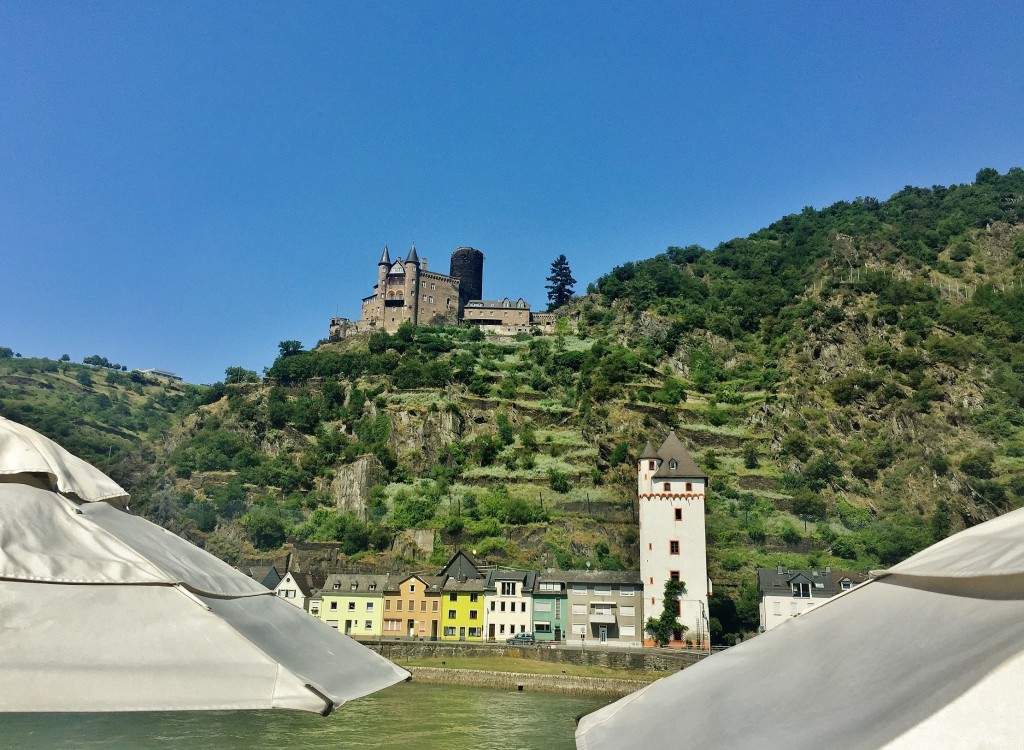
(558, 633)
(603, 632)
(462, 634)
(490, 632)
(412, 628)
(348, 627)
(433, 630)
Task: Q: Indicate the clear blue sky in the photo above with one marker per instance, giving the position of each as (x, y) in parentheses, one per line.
(184, 185)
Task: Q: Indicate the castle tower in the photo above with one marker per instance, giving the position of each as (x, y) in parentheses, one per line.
(382, 270)
(670, 494)
(467, 266)
(412, 286)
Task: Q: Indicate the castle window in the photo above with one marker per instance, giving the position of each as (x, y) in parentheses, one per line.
(650, 465)
(679, 514)
(431, 299)
(673, 547)
(667, 486)
(689, 486)
(433, 287)
(674, 575)
(672, 464)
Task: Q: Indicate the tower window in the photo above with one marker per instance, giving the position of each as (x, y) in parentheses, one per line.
(679, 514)
(667, 486)
(650, 465)
(674, 575)
(689, 486)
(673, 547)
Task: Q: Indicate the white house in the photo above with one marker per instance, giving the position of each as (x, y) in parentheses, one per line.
(785, 593)
(294, 589)
(670, 495)
(508, 603)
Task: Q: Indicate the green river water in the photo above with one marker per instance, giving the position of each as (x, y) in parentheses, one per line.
(404, 717)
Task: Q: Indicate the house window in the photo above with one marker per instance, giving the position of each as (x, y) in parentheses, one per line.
(451, 614)
(674, 575)
(503, 606)
(579, 589)
(423, 606)
(508, 588)
(412, 606)
(627, 590)
(501, 629)
(603, 590)
(472, 614)
(449, 632)
(351, 606)
(474, 632)
(387, 605)
(452, 597)
(802, 590)
(666, 487)
(367, 624)
(398, 605)
(522, 606)
(542, 627)
(673, 547)
(579, 609)
(628, 631)
(433, 606)
(334, 606)
(679, 514)
(369, 606)
(412, 587)
(492, 606)
(627, 611)
(846, 585)
(474, 597)
(777, 608)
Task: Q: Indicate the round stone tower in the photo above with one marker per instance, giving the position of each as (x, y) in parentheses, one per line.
(468, 267)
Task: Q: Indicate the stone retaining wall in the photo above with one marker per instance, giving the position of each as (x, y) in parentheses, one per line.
(550, 683)
(647, 659)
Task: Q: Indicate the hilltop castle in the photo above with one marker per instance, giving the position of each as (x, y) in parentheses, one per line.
(407, 291)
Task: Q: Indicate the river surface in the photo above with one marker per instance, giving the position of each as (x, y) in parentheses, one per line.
(404, 717)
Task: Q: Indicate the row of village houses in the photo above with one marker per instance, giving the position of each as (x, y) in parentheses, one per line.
(466, 602)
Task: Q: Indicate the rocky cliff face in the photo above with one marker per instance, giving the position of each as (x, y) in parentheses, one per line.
(352, 483)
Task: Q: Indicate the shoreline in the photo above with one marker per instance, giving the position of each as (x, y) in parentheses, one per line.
(522, 681)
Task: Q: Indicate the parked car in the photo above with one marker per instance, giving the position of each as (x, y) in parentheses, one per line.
(521, 639)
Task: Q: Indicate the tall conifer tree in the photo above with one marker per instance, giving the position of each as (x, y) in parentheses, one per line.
(560, 288)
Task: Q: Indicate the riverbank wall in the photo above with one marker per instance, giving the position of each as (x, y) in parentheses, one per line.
(641, 660)
(518, 681)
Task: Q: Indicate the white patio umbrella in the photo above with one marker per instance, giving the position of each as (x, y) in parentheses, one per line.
(101, 610)
(928, 654)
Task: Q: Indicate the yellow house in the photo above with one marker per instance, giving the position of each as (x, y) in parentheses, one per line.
(412, 607)
(462, 610)
(353, 603)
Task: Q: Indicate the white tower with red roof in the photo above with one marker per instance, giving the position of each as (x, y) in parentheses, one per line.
(670, 493)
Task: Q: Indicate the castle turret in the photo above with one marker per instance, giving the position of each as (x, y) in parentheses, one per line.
(412, 286)
(382, 270)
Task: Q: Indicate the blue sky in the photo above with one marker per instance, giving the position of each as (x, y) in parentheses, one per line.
(184, 185)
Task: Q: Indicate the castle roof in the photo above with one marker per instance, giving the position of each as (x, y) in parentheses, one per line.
(413, 257)
(385, 257)
(676, 462)
(648, 451)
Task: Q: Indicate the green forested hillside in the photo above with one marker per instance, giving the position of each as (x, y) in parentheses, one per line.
(850, 378)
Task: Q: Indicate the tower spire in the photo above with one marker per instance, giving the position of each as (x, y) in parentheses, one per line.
(385, 257)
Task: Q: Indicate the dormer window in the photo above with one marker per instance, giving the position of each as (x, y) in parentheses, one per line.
(354, 586)
(373, 587)
(673, 464)
(337, 586)
(802, 590)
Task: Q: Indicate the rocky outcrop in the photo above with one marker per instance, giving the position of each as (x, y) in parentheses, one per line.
(352, 483)
(419, 435)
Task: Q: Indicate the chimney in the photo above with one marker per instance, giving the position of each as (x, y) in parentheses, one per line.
(423, 264)
(778, 568)
(828, 568)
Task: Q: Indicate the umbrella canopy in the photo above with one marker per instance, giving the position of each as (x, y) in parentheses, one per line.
(101, 610)
(928, 654)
